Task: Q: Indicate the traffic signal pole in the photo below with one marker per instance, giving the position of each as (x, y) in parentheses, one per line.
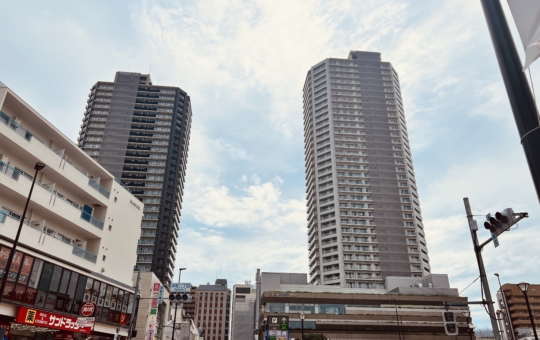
(483, 278)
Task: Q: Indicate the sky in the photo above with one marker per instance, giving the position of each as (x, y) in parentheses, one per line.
(243, 63)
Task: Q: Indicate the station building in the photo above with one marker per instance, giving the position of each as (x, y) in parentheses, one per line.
(408, 308)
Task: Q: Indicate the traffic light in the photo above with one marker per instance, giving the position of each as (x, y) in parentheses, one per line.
(501, 222)
(180, 298)
(450, 325)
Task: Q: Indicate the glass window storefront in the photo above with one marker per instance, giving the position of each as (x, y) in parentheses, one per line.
(320, 308)
(35, 282)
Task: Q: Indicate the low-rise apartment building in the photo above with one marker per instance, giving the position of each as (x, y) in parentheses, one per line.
(79, 238)
(517, 309)
(213, 308)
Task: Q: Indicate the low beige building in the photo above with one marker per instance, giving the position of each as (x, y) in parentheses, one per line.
(79, 237)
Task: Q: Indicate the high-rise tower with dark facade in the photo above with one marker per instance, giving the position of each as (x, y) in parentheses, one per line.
(140, 133)
(364, 217)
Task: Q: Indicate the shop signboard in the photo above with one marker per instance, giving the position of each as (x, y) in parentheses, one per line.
(155, 295)
(47, 319)
(86, 321)
(88, 309)
(6, 326)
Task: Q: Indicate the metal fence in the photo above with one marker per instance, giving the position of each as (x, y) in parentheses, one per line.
(23, 132)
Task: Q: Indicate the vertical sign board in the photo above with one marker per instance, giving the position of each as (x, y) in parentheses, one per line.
(152, 315)
(160, 296)
(278, 327)
(155, 295)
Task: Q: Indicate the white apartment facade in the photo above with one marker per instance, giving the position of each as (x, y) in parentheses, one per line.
(243, 311)
(79, 238)
(364, 217)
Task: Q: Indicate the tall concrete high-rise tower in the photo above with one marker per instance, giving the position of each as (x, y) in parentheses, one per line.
(140, 133)
(364, 218)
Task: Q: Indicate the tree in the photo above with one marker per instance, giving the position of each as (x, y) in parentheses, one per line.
(317, 336)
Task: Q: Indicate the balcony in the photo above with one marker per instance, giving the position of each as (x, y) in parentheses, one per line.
(23, 132)
(92, 220)
(37, 236)
(40, 196)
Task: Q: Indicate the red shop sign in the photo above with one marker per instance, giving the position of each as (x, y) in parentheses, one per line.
(45, 319)
(88, 309)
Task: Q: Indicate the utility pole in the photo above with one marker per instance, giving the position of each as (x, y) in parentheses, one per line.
(135, 304)
(518, 90)
(483, 278)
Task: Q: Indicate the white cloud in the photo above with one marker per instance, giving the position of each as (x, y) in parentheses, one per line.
(259, 207)
(236, 258)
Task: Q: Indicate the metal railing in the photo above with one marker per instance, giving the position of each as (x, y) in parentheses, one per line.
(85, 254)
(123, 185)
(23, 132)
(10, 171)
(94, 221)
(99, 188)
(15, 174)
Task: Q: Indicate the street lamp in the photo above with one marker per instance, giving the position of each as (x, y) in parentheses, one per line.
(175, 303)
(397, 318)
(180, 273)
(467, 314)
(524, 288)
(507, 312)
(38, 167)
(302, 318)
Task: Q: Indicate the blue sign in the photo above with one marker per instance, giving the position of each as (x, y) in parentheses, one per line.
(495, 239)
(180, 287)
(160, 296)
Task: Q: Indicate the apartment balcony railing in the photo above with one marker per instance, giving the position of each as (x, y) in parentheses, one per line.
(94, 221)
(15, 174)
(85, 254)
(26, 134)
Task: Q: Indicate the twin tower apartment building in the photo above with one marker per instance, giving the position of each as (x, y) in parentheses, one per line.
(364, 217)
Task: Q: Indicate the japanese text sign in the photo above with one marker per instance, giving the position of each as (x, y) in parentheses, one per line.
(41, 318)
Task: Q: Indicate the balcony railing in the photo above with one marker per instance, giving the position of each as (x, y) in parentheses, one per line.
(15, 174)
(85, 254)
(26, 134)
(94, 221)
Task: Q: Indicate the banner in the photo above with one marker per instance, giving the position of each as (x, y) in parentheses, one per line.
(46, 319)
(526, 15)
